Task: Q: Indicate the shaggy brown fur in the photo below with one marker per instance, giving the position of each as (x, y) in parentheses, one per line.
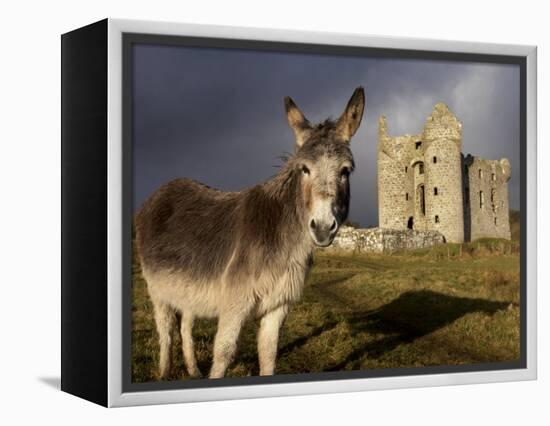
(189, 226)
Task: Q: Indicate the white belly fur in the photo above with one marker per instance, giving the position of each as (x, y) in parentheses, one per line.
(209, 299)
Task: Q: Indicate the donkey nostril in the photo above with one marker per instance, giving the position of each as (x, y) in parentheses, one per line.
(333, 227)
(312, 224)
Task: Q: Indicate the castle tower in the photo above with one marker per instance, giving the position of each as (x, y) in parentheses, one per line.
(394, 200)
(443, 186)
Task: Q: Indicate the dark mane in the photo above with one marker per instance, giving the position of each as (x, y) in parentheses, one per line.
(326, 125)
(325, 131)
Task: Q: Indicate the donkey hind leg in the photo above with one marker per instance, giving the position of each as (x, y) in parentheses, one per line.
(187, 345)
(164, 318)
(225, 343)
(268, 338)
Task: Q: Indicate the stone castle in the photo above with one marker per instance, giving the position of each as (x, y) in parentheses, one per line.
(425, 183)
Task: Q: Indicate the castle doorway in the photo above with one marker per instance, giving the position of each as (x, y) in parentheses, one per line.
(410, 223)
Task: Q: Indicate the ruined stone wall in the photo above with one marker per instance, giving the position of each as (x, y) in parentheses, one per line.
(378, 240)
(466, 201)
(391, 193)
(487, 185)
(394, 205)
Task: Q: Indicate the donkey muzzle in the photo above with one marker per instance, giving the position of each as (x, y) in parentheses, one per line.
(323, 231)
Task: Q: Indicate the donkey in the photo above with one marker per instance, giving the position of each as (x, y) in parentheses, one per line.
(232, 255)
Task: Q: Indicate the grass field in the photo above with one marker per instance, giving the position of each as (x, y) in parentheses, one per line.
(443, 306)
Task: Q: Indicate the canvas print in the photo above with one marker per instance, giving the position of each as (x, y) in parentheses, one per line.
(297, 213)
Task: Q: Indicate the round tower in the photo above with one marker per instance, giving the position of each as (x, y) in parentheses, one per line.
(443, 181)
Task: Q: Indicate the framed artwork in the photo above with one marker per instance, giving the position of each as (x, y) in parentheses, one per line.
(251, 212)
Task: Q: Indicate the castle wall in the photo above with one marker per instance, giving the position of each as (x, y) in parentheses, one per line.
(392, 204)
(467, 203)
(488, 191)
(378, 240)
(395, 188)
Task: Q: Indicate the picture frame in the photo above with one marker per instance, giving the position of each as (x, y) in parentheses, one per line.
(97, 211)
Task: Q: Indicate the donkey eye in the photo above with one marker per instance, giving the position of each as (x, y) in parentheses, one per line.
(305, 170)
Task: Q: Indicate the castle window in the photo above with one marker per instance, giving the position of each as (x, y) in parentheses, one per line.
(435, 160)
(480, 172)
(406, 169)
(421, 200)
(435, 190)
(436, 219)
(495, 221)
(493, 195)
(418, 145)
(481, 200)
(421, 169)
(407, 196)
(493, 176)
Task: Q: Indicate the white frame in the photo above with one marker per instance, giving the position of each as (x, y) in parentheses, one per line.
(114, 212)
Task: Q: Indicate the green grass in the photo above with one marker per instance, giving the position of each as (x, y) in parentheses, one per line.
(448, 305)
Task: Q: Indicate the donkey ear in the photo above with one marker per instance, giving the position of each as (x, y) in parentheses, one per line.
(297, 121)
(350, 120)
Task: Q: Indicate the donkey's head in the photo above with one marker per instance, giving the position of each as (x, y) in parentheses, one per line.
(324, 162)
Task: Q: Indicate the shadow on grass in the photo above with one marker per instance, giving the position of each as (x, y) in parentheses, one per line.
(412, 315)
(300, 341)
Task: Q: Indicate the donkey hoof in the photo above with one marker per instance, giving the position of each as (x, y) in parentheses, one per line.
(163, 376)
(195, 373)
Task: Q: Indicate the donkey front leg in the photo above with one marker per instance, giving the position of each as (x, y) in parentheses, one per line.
(187, 345)
(225, 343)
(268, 338)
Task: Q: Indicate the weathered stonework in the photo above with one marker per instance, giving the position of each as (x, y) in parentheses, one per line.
(378, 240)
(425, 183)
(486, 210)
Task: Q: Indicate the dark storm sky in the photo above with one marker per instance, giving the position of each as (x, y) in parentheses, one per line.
(217, 115)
